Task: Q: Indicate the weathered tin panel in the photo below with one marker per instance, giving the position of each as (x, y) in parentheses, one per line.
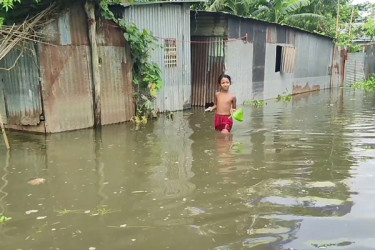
(168, 21)
(289, 59)
(110, 34)
(336, 68)
(207, 66)
(312, 70)
(259, 60)
(209, 24)
(355, 68)
(70, 28)
(117, 103)
(20, 87)
(239, 63)
(271, 34)
(370, 60)
(66, 86)
(281, 34)
(275, 83)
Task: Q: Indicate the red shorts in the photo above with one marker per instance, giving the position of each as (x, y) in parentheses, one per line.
(223, 122)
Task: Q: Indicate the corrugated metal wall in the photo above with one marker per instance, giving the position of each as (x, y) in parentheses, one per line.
(312, 69)
(336, 70)
(207, 66)
(259, 60)
(67, 74)
(117, 104)
(355, 68)
(240, 61)
(20, 87)
(168, 21)
(64, 76)
(66, 83)
(370, 60)
(65, 70)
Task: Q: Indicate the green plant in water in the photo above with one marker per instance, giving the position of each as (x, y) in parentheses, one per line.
(255, 103)
(287, 98)
(101, 211)
(4, 219)
(368, 85)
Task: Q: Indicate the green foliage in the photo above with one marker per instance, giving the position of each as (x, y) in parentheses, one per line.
(255, 103)
(286, 98)
(370, 28)
(8, 4)
(368, 85)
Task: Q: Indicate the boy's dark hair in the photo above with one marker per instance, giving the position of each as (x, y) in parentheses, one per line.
(224, 76)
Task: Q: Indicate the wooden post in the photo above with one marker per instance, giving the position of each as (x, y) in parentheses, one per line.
(4, 134)
(351, 22)
(90, 12)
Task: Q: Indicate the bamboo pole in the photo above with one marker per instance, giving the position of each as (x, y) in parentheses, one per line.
(4, 134)
(338, 20)
(90, 12)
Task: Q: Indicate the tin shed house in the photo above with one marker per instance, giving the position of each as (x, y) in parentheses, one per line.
(264, 59)
(50, 87)
(169, 22)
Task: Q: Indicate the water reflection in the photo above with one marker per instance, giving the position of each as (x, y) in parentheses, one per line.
(292, 175)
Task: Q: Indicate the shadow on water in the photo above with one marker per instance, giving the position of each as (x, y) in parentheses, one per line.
(292, 175)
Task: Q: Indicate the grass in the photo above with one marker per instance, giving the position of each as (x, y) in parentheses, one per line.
(368, 85)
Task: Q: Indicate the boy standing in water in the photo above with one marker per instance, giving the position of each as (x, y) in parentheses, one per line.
(225, 104)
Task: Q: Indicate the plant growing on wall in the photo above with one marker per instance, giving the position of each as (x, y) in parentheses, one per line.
(146, 74)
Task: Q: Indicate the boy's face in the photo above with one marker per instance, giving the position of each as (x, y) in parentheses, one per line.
(224, 83)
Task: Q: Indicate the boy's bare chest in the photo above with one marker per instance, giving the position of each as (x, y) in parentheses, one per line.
(224, 98)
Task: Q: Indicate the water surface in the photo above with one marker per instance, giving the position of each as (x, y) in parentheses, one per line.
(293, 175)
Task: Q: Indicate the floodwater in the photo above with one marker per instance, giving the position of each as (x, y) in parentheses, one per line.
(295, 174)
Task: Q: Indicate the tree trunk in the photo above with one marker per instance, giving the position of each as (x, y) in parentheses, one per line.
(90, 12)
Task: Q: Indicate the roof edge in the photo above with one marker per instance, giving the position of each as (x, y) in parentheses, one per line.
(159, 2)
(263, 21)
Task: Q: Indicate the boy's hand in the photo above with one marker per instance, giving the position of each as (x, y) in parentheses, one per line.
(209, 109)
(234, 111)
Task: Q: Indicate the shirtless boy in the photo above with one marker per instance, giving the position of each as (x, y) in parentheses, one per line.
(225, 105)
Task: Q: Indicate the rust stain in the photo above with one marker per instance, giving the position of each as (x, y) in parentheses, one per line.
(110, 34)
(297, 89)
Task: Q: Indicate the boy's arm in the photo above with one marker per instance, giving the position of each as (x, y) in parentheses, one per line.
(234, 104)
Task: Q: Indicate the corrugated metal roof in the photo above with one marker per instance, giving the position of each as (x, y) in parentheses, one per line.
(258, 20)
(159, 2)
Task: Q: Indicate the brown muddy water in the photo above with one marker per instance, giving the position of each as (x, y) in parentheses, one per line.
(293, 175)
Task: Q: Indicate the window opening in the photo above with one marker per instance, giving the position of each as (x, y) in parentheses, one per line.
(279, 52)
(170, 56)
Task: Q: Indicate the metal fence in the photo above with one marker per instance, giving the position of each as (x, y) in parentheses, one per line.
(355, 68)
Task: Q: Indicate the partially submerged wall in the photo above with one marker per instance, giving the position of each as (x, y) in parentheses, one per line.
(51, 90)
